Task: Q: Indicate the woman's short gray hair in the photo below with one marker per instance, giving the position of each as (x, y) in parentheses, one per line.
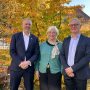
(50, 28)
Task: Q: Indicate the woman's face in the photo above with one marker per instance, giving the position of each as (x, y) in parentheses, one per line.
(52, 35)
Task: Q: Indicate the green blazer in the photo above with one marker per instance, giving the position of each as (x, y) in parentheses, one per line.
(45, 58)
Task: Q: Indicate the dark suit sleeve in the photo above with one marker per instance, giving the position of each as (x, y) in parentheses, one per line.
(63, 57)
(13, 51)
(36, 52)
(85, 60)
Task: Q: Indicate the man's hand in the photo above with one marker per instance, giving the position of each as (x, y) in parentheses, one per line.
(71, 75)
(69, 72)
(24, 64)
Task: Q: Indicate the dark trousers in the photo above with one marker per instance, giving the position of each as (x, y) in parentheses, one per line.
(15, 79)
(49, 81)
(75, 84)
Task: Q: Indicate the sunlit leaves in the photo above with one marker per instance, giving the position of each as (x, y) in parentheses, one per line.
(43, 13)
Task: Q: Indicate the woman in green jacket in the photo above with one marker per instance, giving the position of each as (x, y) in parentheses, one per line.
(48, 67)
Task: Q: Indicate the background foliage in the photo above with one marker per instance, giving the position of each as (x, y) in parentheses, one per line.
(43, 14)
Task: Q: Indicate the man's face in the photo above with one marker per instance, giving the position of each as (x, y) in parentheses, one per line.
(26, 25)
(75, 26)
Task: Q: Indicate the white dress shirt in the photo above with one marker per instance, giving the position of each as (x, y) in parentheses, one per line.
(26, 40)
(72, 50)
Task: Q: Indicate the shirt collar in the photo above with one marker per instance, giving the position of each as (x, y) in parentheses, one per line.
(77, 37)
(26, 35)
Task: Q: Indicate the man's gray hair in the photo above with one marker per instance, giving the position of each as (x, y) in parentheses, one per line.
(75, 19)
(27, 19)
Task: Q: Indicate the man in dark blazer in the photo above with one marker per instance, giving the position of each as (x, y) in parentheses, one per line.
(24, 51)
(75, 56)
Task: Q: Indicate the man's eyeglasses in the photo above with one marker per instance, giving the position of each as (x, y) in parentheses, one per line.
(73, 25)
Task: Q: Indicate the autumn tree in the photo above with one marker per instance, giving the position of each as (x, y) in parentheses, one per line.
(43, 13)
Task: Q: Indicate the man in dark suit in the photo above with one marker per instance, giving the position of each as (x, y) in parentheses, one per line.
(75, 56)
(24, 51)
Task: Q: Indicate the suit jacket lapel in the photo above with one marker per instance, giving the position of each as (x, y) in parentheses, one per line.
(68, 43)
(30, 41)
(78, 45)
(22, 42)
